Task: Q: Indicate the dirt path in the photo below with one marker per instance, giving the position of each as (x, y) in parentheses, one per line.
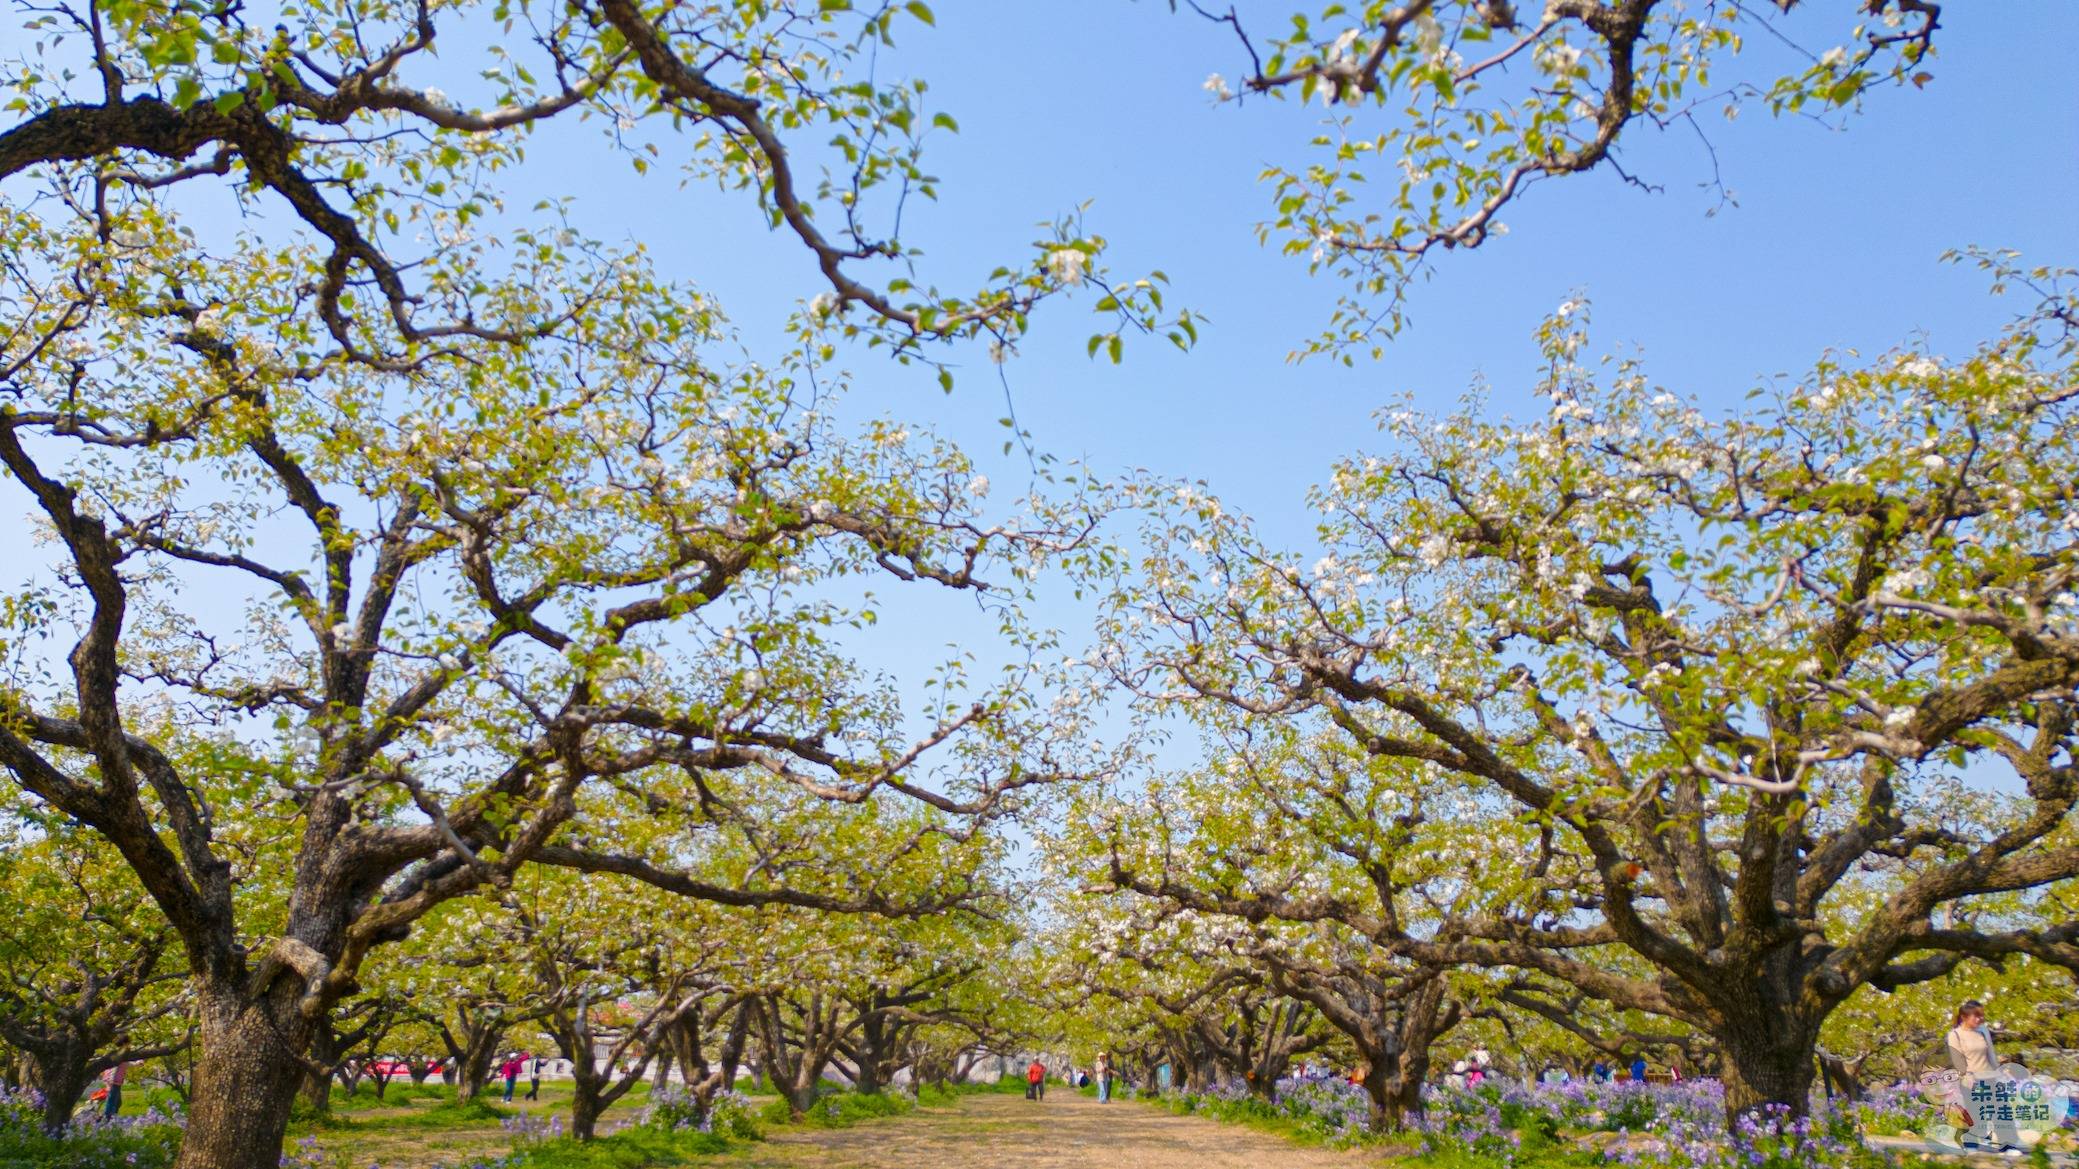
(1061, 1132)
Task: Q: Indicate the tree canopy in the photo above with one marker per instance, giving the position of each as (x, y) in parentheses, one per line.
(437, 627)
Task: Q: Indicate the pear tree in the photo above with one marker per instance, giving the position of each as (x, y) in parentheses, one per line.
(1742, 669)
(451, 601)
(90, 976)
(1313, 864)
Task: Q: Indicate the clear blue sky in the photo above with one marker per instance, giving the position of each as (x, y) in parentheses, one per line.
(1834, 242)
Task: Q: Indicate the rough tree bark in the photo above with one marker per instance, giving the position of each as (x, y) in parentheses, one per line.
(246, 1082)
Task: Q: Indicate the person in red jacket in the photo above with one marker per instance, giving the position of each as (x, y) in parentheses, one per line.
(511, 1069)
(1036, 1080)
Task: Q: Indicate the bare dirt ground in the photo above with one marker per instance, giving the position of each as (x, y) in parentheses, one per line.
(1064, 1130)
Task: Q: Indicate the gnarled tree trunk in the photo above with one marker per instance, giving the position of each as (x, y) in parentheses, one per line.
(62, 1075)
(315, 1094)
(1769, 1067)
(246, 1079)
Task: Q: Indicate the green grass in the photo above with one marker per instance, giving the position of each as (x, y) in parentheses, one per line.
(631, 1148)
(400, 1092)
(932, 1095)
(443, 1112)
(1547, 1158)
(841, 1109)
(1248, 1112)
(451, 1113)
(421, 1124)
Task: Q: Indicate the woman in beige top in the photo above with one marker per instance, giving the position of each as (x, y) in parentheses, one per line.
(1970, 1046)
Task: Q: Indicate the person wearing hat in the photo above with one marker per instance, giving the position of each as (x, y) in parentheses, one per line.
(1104, 1077)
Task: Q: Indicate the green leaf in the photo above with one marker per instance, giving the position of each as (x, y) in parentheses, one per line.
(921, 11)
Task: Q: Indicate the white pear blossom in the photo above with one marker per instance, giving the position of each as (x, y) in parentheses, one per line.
(1068, 265)
(1429, 34)
(1558, 57)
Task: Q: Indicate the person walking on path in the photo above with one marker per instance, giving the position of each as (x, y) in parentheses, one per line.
(1970, 1043)
(1036, 1080)
(1972, 1055)
(534, 1067)
(510, 1069)
(1104, 1077)
(112, 1079)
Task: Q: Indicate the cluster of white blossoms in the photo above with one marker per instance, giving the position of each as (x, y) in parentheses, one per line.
(1068, 265)
(1558, 58)
(1905, 582)
(1429, 35)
